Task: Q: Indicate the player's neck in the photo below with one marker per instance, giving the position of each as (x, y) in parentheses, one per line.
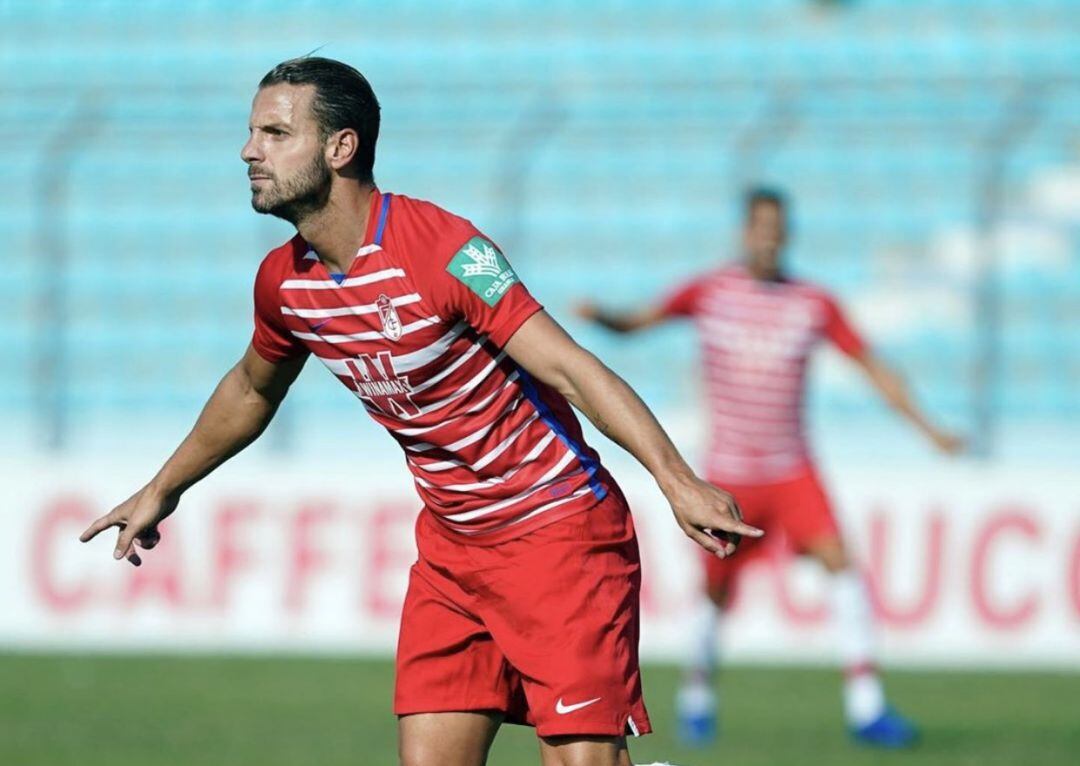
(763, 273)
(336, 231)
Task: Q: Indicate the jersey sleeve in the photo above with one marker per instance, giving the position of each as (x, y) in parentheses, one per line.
(839, 331)
(682, 301)
(272, 339)
(471, 279)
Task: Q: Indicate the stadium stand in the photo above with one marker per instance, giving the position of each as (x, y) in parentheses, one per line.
(605, 158)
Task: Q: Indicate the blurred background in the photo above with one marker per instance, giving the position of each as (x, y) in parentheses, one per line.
(931, 151)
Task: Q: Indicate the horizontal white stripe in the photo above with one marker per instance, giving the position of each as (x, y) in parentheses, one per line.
(486, 459)
(414, 360)
(753, 412)
(472, 438)
(329, 284)
(789, 400)
(737, 440)
(754, 390)
(411, 327)
(404, 363)
(779, 315)
(723, 295)
(494, 481)
(791, 386)
(545, 482)
(343, 311)
(743, 460)
(417, 430)
(450, 368)
(722, 421)
(719, 357)
(728, 400)
(535, 512)
(473, 383)
(777, 339)
(367, 250)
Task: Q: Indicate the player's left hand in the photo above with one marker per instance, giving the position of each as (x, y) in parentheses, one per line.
(950, 444)
(709, 516)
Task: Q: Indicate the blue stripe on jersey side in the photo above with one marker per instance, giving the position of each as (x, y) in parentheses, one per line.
(383, 211)
(588, 462)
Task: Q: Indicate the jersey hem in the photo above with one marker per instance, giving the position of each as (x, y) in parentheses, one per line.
(510, 533)
(800, 471)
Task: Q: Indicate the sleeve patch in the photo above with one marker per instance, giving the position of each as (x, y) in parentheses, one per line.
(483, 269)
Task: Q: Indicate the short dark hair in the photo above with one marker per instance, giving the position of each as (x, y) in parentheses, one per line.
(343, 99)
(763, 195)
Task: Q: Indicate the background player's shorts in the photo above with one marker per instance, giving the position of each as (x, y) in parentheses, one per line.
(795, 513)
(543, 627)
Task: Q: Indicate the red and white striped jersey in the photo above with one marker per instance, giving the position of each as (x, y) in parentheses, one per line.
(415, 330)
(756, 338)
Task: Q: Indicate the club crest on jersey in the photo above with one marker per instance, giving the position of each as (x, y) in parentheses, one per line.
(483, 269)
(376, 381)
(391, 322)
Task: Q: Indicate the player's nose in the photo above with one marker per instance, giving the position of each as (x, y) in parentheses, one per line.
(249, 152)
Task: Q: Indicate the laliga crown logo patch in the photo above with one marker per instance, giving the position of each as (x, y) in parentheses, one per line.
(391, 322)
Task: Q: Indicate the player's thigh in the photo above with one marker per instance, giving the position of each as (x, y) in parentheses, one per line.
(446, 739)
(562, 603)
(809, 523)
(584, 751)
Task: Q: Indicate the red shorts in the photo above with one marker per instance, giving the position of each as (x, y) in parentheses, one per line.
(543, 627)
(795, 513)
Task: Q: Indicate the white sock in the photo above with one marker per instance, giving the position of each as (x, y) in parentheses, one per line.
(864, 696)
(701, 657)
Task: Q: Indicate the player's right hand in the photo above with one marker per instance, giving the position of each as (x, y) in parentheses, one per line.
(137, 519)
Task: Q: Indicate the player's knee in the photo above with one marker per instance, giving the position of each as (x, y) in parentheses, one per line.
(719, 594)
(589, 751)
(833, 556)
(432, 754)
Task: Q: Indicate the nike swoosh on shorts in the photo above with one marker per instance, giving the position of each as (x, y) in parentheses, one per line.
(562, 709)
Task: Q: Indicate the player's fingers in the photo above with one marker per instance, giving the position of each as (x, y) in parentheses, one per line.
(706, 541)
(728, 522)
(148, 538)
(742, 528)
(124, 542)
(134, 557)
(100, 524)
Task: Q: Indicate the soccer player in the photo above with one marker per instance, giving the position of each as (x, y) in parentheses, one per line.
(523, 603)
(757, 328)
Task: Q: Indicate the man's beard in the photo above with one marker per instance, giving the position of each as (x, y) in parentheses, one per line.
(306, 192)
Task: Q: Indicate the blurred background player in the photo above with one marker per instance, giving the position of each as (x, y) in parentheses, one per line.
(757, 328)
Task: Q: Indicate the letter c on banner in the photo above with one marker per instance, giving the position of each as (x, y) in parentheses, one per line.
(1074, 577)
(62, 516)
(995, 614)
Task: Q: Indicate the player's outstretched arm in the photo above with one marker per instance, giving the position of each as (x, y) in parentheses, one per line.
(620, 322)
(893, 389)
(707, 514)
(238, 411)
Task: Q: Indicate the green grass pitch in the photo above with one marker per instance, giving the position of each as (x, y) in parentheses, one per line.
(153, 711)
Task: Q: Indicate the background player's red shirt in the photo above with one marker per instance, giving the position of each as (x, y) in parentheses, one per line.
(415, 330)
(756, 338)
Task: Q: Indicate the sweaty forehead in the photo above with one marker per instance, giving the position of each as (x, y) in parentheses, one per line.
(282, 104)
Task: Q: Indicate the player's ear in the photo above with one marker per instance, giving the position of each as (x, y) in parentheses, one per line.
(341, 148)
